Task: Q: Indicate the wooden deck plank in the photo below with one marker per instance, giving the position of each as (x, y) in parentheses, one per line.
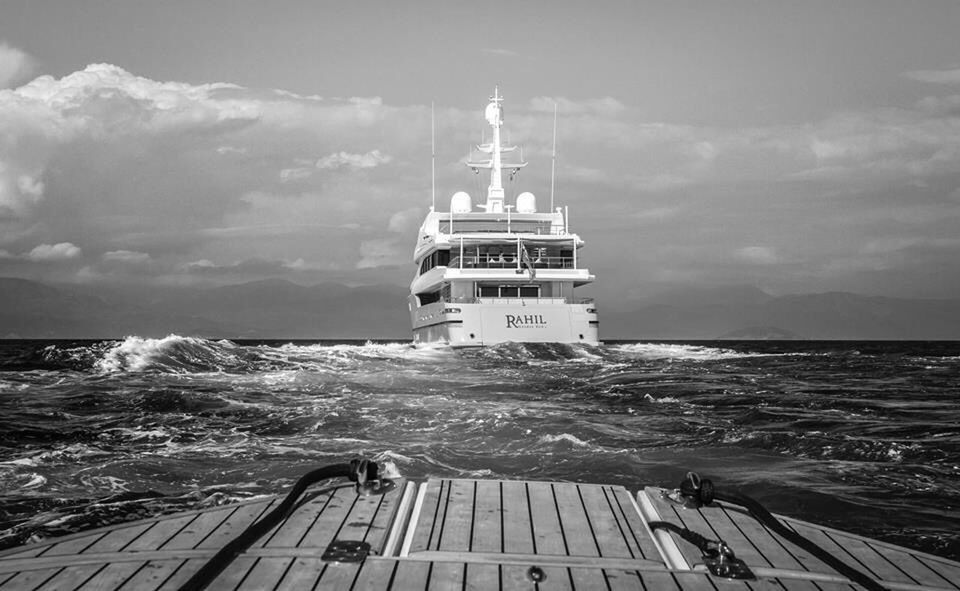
(517, 532)
(447, 576)
(327, 525)
(27, 552)
(118, 539)
(232, 576)
(691, 519)
(871, 559)
(427, 517)
(487, 518)
(161, 532)
(481, 577)
(613, 537)
(412, 574)
(244, 515)
(295, 526)
(622, 580)
(74, 545)
(71, 577)
(376, 575)
(768, 544)
(265, 573)
(627, 509)
(30, 579)
(905, 561)
(182, 570)
(580, 538)
(949, 571)
(386, 513)
(661, 581)
(339, 576)
(359, 524)
(547, 533)
(153, 574)
(302, 574)
(458, 518)
(198, 529)
(111, 577)
(711, 523)
(557, 578)
(820, 538)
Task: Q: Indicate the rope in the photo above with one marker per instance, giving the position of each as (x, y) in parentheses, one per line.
(358, 471)
(760, 513)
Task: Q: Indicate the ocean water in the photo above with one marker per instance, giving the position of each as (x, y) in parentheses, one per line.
(859, 436)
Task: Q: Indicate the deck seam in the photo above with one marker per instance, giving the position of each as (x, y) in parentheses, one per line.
(586, 514)
(437, 517)
(617, 513)
(892, 563)
(749, 539)
(230, 514)
(503, 543)
(284, 574)
(310, 527)
(533, 531)
(133, 574)
(850, 554)
(176, 533)
(319, 578)
(921, 560)
(563, 531)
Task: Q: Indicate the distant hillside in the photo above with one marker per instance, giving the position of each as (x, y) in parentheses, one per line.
(827, 316)
(263, 309)
(284, 310)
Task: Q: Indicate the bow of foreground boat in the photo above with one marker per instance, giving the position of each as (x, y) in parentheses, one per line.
(464, 533)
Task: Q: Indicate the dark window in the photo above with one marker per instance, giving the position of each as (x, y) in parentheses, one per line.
(429, 298)
(529, 291)
(489, 291)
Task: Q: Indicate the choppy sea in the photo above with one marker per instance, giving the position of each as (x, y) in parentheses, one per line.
(860, 436)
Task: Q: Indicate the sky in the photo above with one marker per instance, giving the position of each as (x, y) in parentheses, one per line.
(798, 147)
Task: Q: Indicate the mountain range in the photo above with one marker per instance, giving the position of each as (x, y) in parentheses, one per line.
(279, 309)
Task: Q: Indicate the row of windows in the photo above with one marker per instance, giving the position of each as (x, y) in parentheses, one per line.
(484, 291)
(439, 258)
(509, 291)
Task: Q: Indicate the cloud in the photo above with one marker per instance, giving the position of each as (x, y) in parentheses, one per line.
(344, 159)
(761, 255)
(62, 251)
(500, 52)
(935, 76)
(15, 65)
(606, 106)
(129, 257)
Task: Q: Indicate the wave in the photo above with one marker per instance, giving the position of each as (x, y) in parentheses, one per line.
(661, 351)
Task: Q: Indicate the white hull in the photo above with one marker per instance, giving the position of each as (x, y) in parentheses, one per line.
(501, 321)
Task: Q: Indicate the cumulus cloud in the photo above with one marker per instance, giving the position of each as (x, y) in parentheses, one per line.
(15, 65)
(344, 159)
(61, 251)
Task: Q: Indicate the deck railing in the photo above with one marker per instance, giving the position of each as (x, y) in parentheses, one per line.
(517, 300)
(510, 262)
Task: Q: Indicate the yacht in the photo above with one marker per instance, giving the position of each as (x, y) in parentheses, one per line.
(493, 272)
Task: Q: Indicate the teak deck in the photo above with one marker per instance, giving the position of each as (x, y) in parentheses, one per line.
(465, 534)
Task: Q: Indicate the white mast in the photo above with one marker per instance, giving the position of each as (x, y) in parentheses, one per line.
(494, 116)
(553, 164)
(433, 163)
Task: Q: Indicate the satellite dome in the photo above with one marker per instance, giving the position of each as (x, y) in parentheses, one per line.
(526, 203)
(460, 203)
